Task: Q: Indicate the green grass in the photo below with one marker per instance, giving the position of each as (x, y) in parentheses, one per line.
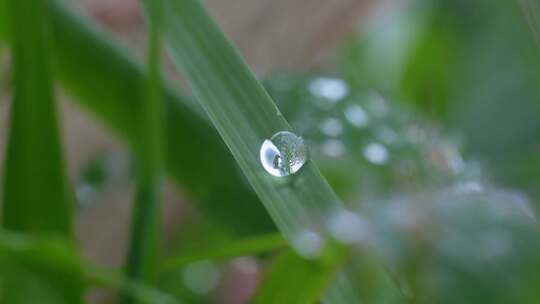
(37, 198)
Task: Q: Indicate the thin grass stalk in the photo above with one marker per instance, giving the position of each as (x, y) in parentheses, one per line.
(145, 241)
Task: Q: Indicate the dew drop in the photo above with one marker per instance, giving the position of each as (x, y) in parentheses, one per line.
(348, 227)
(376, 153)
(332, 89)
(356, 115)
(201, 277)
(387, 135)
(377, 105)
(331, 127)
(308, 244)
(283, 154)
(333, 148)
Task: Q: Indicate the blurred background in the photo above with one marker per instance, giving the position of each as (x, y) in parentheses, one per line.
(432, 93)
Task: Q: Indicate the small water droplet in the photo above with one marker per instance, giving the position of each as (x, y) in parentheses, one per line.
(348, 227)
(331, 127)
(201, 277)
(377, 105)
(333, 148)
(283, 154)
(308, 244)
(356, 115)
(247, 265)
(86, 194)
(376, 153)
(387, 135)
(332, 89)
(468, 187)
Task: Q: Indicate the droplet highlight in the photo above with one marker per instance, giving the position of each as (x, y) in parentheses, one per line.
(285, 153)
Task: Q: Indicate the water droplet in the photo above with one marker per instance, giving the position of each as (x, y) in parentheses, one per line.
(201, 277)
(86, 194)
(308, 244)
(356, 115)
(387, 135)
(377, 105)
(348, 227)
(331, 127)
(333, 148)
(283, 154)
(376, 153)
(246, 265)
(468, 187)
(333, 89)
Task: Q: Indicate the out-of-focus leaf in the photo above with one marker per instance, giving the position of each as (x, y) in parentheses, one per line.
(25, 256)
(293, 279)
(110, 83)
(251, 246)
(3, 20)
(36, 196)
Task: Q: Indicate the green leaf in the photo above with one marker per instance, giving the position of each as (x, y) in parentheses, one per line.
(110, 83)
(36, 192)
(293, 279)
(251, 246)
(245, 116)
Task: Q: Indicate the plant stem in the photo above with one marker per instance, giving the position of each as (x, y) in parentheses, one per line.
(145, 240)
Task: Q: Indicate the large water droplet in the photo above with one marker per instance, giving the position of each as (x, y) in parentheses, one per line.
(283, 154)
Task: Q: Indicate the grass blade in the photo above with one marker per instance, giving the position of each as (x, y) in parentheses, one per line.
(36, 192)
(106, 80)
(245, 116)
(251, 246)
(531, 10)
(145, 241)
